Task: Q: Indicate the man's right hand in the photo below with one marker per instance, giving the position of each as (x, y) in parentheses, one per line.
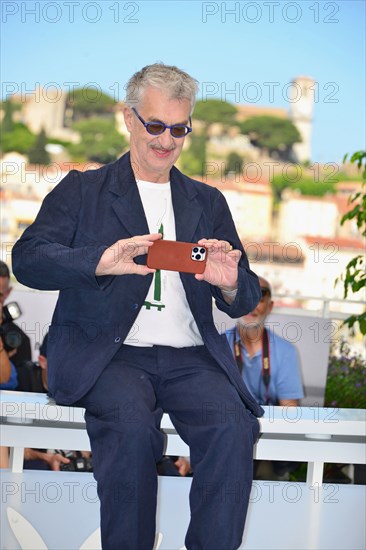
(118, 259)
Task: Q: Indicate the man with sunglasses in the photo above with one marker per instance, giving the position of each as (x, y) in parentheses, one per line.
(268, 363)
(128, 342)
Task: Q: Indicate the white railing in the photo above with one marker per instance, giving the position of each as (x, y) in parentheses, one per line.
(324, 310)
(304, 434)
(298, 516)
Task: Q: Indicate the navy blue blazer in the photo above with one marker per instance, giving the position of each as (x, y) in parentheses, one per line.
(83, 215)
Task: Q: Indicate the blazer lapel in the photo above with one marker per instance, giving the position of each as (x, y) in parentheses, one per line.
(187, 209)
(127, 205)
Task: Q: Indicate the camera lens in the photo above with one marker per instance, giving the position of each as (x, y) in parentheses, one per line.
(195, 249)
(12, 339)
(203, 250)
(198, 256)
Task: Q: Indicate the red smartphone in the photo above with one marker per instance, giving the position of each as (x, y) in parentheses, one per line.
(177, 256)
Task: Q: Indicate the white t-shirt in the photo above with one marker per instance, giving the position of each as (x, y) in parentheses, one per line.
(165, 318)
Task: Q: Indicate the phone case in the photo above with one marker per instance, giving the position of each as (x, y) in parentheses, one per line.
(177, 256)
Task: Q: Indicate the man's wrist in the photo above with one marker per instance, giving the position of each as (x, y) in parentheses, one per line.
(228, 291)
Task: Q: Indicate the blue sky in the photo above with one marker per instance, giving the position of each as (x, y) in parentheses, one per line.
(222, 44)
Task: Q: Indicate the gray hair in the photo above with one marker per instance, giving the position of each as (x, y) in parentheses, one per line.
(168, 78)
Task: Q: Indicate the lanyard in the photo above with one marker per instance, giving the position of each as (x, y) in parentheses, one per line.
(266, 364)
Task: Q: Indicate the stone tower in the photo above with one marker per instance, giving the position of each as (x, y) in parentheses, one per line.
(301, 97)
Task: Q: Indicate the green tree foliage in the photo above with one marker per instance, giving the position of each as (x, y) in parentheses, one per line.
(308, 186)
(19, 139)
(213, 111)
(193, 159)
(345, 386)
(15, 136)
(271, 134)
(279, 183)
(304, 185)
(354, 278)
(7, 122)
(100, 141)
(89, 102)
(37, 154)
(234, 163)
(343, 176)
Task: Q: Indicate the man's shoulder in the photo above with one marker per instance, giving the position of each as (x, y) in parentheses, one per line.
(98, 175)
(279, 342)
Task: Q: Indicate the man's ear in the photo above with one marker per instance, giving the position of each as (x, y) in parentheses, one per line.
(127, 115)
(270, 307)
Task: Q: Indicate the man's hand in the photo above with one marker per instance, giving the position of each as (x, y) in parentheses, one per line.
(222, 264)
(183, 465)
(118, 259)
(54, 460)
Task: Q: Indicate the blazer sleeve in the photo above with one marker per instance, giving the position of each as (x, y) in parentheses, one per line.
(248, 294)
(44, 257)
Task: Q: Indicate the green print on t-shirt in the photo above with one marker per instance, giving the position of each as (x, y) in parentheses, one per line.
(157, 284)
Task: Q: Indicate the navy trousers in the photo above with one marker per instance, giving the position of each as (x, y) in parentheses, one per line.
(123, 413)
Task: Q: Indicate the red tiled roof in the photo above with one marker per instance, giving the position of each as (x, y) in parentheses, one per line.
(342, 203)
(237, 184)
(350, 186)
(341, 242)
(65, 166)
(269, 250)
(9, 195)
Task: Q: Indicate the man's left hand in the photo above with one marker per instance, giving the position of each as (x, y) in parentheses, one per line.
(222, 264)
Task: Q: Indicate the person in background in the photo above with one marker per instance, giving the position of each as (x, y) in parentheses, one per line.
(8, 373)
(8, 381)
(270, 368)
(16, 342)
(268, 363)
(34, 378)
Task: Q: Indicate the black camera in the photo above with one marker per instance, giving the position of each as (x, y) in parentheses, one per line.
(78, 463)
(11, 337)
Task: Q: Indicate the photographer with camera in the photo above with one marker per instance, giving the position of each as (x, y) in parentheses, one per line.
(34, 378)
(8, 374)
(8, 381)
(5, 365)
(16, 342)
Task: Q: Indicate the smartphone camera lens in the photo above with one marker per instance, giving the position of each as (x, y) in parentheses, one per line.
(198, 253)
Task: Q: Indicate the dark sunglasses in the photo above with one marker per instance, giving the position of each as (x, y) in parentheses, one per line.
(265, 291)
(157, 128)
